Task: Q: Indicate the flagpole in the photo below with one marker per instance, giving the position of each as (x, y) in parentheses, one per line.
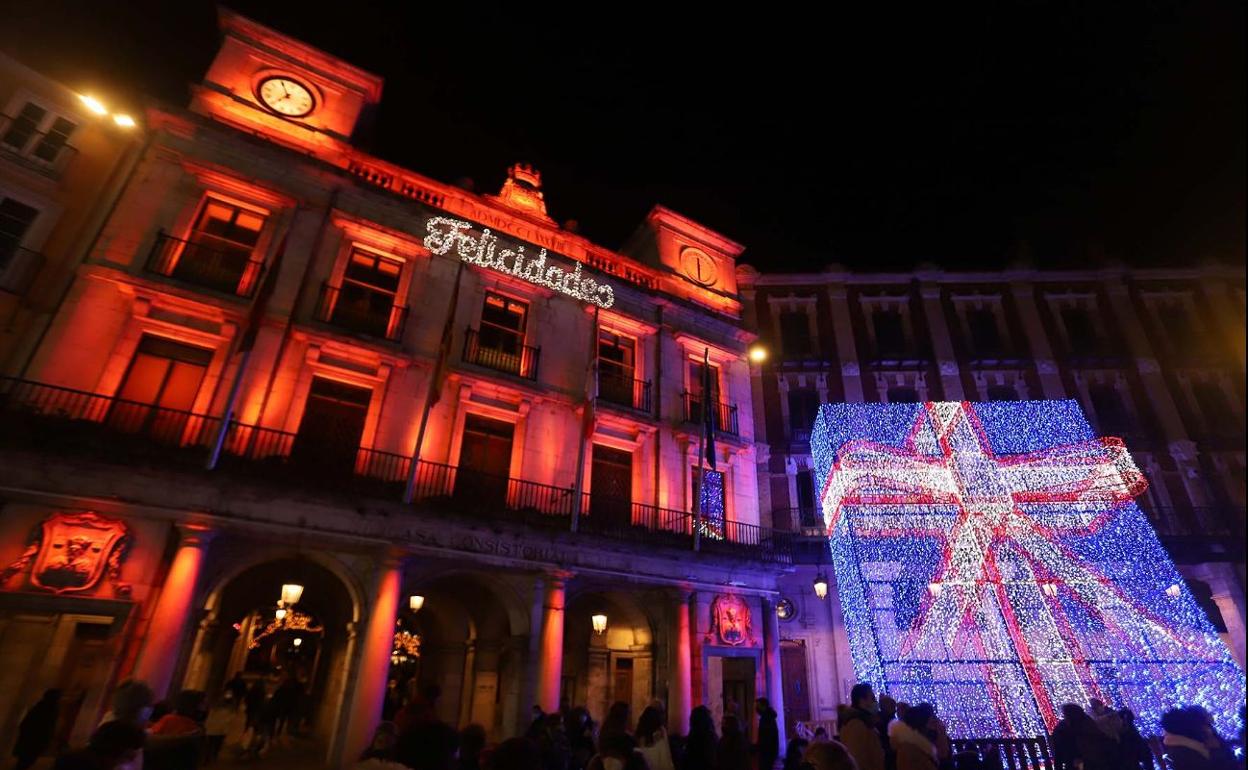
(697, 517)
(247, 341)
(435, 387)
(578, 484)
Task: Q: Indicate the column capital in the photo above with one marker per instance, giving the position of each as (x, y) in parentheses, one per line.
(560, 576)
(194, 534)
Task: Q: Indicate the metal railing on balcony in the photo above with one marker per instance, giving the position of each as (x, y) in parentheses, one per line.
(624, 391)
(42, 151)
(725, 414)
(18, 269)
(358, 314)
(522, 362)
(40, 416)
(231, 271)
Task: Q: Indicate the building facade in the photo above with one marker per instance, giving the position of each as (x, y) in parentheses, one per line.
(471, 437)
(1155, 357)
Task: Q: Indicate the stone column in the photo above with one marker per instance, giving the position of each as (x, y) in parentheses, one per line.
(942, 343)
(846, 349)
(550, 652)
(364, 709)
(172, 612)
(680, 695)
(1228, 594)
(1037, 340)
(771, 659)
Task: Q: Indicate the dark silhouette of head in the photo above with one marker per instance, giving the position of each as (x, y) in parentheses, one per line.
(918, 716)
(862, 696)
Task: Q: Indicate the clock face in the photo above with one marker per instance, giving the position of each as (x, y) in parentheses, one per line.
(286, 97)
(699, 267)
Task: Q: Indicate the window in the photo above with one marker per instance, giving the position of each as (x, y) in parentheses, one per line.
(709, 501)
(695, 397)
(900, 394)
(38, 134)
(1081, 335)
(617, 361)
(795, 333)
(803, 408)
(1176, 324)
(1220, 419)
(985, 336)
(1111, 413)
(807, 510)
(219, 252)
(366, 301)
(15, 220)
(890, 335)
(332, 426)
(499, 343)
(159, 389)
(1002, 393)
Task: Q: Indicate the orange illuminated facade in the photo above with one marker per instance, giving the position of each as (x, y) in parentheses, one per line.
(265, 325)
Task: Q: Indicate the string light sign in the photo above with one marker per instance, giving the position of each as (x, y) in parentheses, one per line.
(990, 559)
(446, 235)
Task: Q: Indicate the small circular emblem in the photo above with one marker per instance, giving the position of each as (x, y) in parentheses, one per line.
(785, 610)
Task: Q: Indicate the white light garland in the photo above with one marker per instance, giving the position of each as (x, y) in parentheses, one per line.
(446, 234)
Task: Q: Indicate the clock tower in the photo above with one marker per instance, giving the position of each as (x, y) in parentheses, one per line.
(294, 94)
(701, 263)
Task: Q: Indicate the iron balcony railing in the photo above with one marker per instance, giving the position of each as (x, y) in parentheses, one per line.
(357, 314)
(800, 518)
(624, 391)
(725, 414)
(204, 264)
(18, 269)
(522, 362)
(34, 149)
(41, 416)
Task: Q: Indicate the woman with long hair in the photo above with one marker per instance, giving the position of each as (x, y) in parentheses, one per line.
(702, 744)
(652, 741)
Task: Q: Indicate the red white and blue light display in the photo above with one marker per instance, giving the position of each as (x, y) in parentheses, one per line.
(990, 559)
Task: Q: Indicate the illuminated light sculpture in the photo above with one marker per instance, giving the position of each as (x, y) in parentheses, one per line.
(990, 559)
(711, 505)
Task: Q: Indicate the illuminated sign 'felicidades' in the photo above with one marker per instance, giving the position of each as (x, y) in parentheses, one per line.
(446, 234)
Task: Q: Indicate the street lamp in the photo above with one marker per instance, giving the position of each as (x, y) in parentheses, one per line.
(280, 614)
(291, 594)
(821, 585)
(415, 602)
(599, 623)
(758, 353)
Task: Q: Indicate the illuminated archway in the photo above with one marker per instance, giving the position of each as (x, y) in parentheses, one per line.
(617, 664)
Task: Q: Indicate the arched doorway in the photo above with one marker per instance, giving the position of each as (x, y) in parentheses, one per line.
(613, 664)
(471, 647)
(311, 641)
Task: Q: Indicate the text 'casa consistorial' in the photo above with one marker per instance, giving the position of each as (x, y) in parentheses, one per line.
(446, 234)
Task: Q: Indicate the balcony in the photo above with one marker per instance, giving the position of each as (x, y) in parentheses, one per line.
(18, 269)
(28, 148)
(624, 391)
(361, 314)
(724, 416)
(73, 422)
(521, 363)
(809, 521)
(227, 270)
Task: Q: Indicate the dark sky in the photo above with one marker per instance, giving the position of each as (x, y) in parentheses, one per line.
(877, 139)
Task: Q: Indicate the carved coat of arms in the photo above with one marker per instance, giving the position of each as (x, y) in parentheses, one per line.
(730, 616)
(72, 552)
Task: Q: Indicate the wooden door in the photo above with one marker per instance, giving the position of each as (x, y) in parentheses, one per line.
(796, 690)
(622, 681)
(332, 425)
(159, 389)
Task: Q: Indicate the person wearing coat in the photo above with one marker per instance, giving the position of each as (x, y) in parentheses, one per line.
(908, 737)
(858, 730)
(34, 734)
(768, 735)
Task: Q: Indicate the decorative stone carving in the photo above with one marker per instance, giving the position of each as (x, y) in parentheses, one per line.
(730, 619)
(72, 552)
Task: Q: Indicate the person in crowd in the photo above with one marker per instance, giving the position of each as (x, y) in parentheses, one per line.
(1184, 741)
(115, 745)
(392, 702)
(858, 731)
(285, 704)
(132, 703)
(702, 744)
(580, 730)
(34, 734)
(651, 737)
(380, 753)
(237, 686)
(429, 744)
(421, 708)
(1219, 751)
(185, 718)
(888, 712)
(618, 721)
(938, 734)
(909, 739)
(829, 755)
(472, 741)
(821, 735)
(1134, 748)
(793, 753)
(253, 703)
(734, 745)
(224, 723)
(768, 746)
(515, 754)
(616, 751)
(1077, 738)
(1106, 718)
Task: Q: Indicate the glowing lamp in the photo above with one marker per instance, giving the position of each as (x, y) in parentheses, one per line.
(280, 614)
(291, 594)
(298, 641)
(599, 623)
(1173, 591)
(758, 354)
(1050, 589)
(93, 104)
(415, 601)
(821, 585)
(123, 120)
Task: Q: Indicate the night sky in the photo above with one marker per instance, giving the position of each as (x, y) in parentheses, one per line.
(1073, 133)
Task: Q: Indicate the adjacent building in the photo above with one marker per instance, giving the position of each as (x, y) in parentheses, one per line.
(459, 443)
(1155, 357)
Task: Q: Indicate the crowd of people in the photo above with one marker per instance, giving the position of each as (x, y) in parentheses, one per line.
(873, 733)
